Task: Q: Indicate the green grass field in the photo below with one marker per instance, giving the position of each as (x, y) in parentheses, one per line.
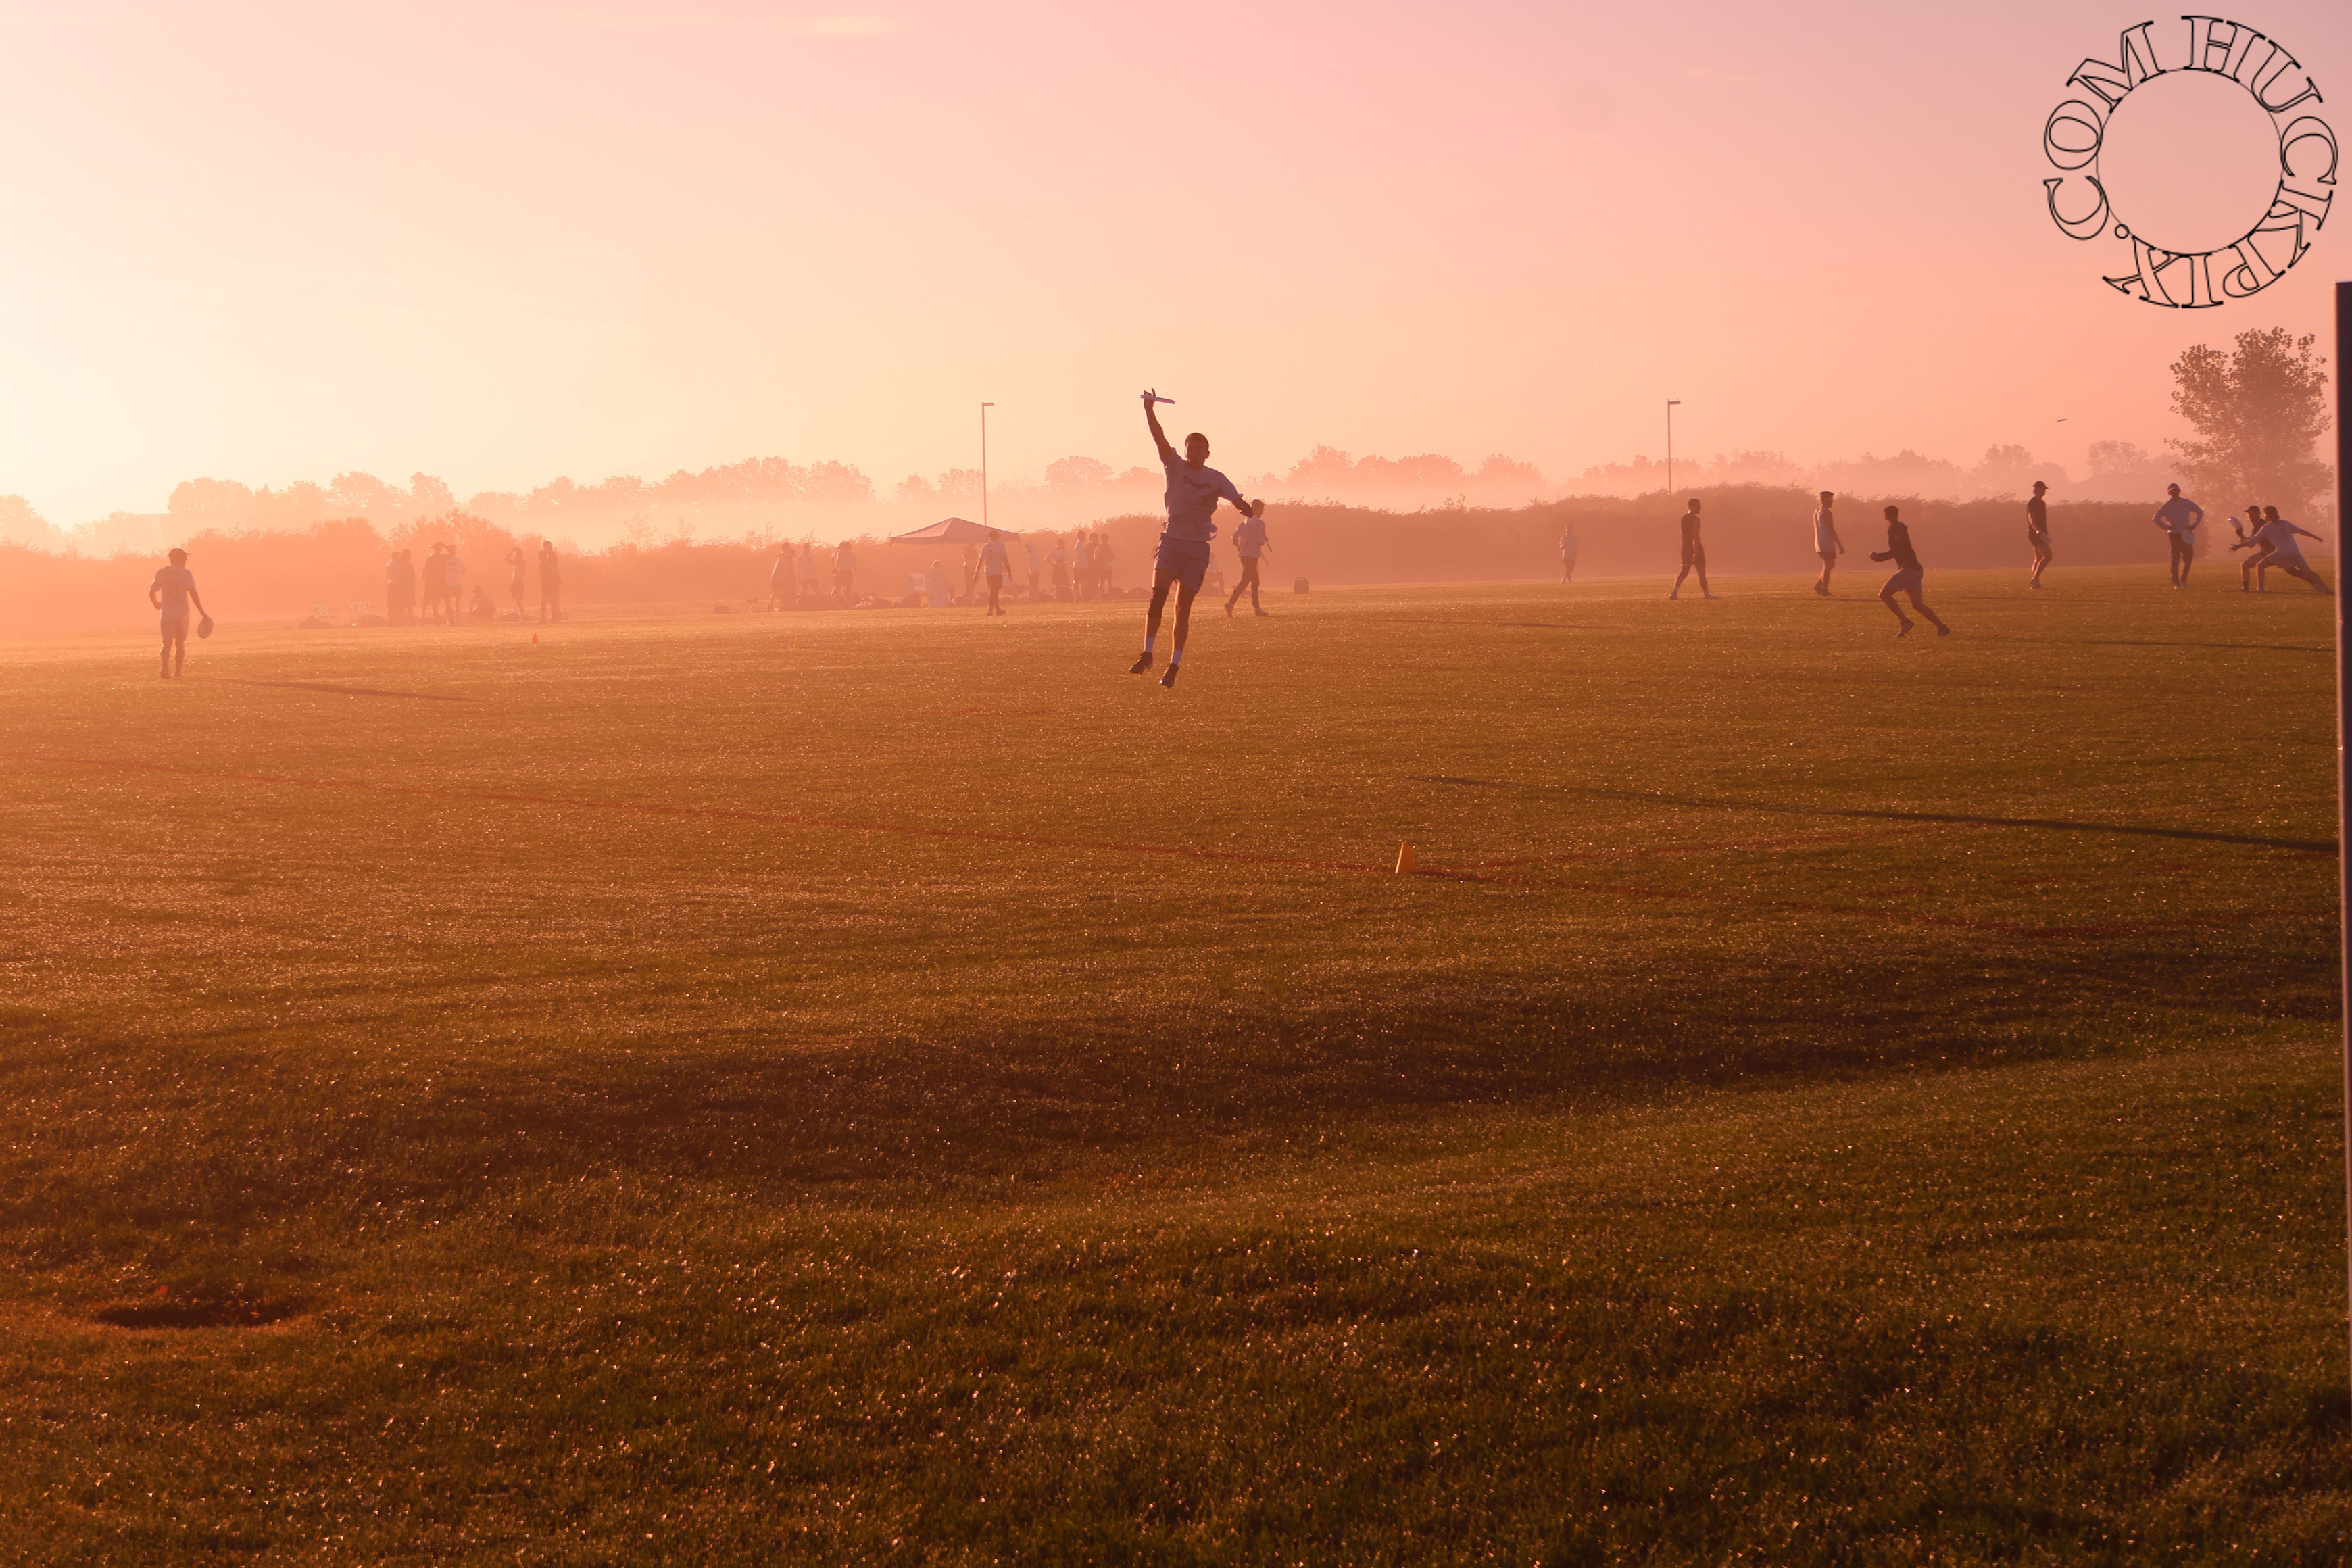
(891, 1087)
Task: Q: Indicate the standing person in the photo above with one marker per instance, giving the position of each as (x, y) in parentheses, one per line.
(453, 581)
(779, 576)
(995, 565)
(805, 571)
(971, 576)
(1569, 546)
(1105, 564)
(399, 589)
(171, 591)
(1193, 491)
(935, 585)
(1061, 569)
(1249, 539)
(1029, 550)
(434, 584)
(551, 583)
(1082, 564)
(1826, 543)
(2284, 552)
(2179, 518)
(1907, 575)
(2037, 531)
(845, 574)
(1694, 556)
(515, 559)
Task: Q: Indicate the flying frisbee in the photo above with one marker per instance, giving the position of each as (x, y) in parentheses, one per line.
(1151, 397)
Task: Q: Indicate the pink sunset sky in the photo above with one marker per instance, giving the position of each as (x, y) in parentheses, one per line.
(504, 242)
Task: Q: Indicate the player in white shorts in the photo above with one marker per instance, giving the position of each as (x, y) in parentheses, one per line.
(2284, 552)
(172, 590)
(1194, 489)
(1826, 543)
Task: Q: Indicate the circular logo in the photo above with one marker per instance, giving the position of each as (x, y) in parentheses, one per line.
(2270, 98)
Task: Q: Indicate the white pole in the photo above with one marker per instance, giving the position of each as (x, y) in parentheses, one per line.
(984, 462)
(1671, 404)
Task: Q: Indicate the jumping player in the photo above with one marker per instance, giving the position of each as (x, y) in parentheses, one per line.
(1694, 556)
(2180, 518)
(1826, 543)
(2284, 552)
(1907, 573)
(171, 591)
(1193, 491)
(1250, 540)
(992, 562)
(2037, 531)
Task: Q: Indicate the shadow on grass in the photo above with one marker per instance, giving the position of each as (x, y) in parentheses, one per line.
(1772, 809)
(273, 1134)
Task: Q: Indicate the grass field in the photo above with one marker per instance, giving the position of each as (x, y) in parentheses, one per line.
(891, 1087)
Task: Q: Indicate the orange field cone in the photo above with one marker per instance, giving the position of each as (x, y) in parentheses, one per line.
(534, 636)
(1404, 860)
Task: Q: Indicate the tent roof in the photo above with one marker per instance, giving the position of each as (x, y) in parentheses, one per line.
(952, 530)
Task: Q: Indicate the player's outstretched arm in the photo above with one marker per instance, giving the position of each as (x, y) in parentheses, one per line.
(1158, 437)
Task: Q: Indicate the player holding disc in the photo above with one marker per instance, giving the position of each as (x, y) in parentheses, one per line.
(1193, 491)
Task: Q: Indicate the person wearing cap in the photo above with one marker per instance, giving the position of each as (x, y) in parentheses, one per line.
(174, 589)
(551, 583)
(2180, 518)
(2037, 530)
(996, 565)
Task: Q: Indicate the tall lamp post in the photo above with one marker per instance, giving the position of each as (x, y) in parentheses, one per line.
(2342, 717)
(1671, 404)
(984, 462)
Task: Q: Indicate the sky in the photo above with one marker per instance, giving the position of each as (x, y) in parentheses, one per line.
(500, 243)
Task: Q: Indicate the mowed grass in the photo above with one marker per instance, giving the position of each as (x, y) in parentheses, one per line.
(892, 1087)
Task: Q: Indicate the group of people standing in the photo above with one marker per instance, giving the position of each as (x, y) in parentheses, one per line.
(2274, 540)
(434, 593)
(796, 581)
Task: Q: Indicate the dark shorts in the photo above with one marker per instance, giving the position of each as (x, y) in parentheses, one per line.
(1906, 580)
(1184, 560)
(1694, 556)
(175, 629)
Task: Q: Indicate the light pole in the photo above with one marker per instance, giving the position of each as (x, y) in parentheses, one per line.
(984, 462)
(1671, 404)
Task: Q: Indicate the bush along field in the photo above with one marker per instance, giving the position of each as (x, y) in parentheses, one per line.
(899, 1089)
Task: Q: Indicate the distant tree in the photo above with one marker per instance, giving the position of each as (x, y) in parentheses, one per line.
(2120, 457)
(208, 500)
(1076, 473)
(1325, 468)
(1509, 474)
(2010, 470)
(2257, 412)
(20, 524)
(429, 495)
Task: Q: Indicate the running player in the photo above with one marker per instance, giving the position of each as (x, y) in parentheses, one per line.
(1826, 543)
(993, 562)
(2250, 537)
(1694, 556)
(1193, 491)
(2037, 531)
(1907, 574)
(2284, 552)
(1568, 545)
(171, 591)
(2180, 518)
(1250, 540)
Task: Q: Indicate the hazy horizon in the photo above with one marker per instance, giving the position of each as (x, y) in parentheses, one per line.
(278, 244)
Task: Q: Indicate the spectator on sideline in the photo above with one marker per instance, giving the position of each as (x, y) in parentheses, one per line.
(2037, 531)
(779, 577)
(1826, 543)
(551, 583)
(1568, 545)
(845, 574)
(436, 585)
(399, 589)
(515, 559)
(805, 570)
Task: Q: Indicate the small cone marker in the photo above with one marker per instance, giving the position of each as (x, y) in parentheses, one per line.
(1404, 860)
(534, 636)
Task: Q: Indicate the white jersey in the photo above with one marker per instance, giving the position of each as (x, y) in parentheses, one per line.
(1824, 532)
(992, 558)
(2282, 538)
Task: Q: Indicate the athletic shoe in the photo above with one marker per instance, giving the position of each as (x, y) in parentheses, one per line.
(1711, 595)
(1943, 631)
(1169, 679)
(2031, 584)
(1229, 612)
(1266, 614)
(1905, 631)
(1675, 594)
(1140, 666)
